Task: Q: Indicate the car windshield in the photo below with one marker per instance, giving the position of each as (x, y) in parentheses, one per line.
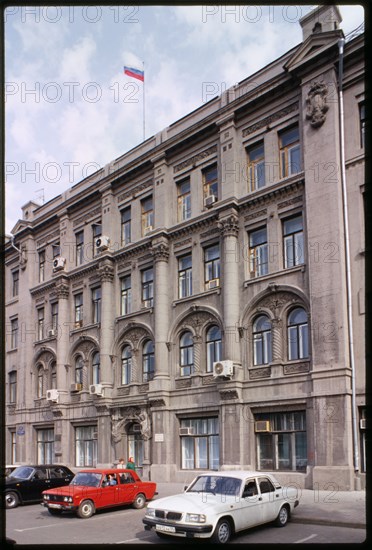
(87, 479)
(22, 472)
(221, 485)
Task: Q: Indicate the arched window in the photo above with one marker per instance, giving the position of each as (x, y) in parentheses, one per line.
(126, 365)
(186, 354)
(262, 343)
(148, 361)
(214, 346)
(40, 381)
(298, 337)
(96, 376)
(79, 366)
(53, 375)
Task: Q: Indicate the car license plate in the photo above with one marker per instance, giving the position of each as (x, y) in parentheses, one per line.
(58, 506)
(166, 528)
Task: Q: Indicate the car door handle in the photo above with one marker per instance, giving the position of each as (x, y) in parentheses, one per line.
(277, 496)
(260, 498)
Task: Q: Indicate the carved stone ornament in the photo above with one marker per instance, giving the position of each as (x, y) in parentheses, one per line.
(106, 273)
(229, 226)
(160, 252)
(316, 104)
(132, 413)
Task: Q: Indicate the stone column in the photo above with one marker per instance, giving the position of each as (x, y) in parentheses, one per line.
(230, 284)
(160, 251)
(63, 335)
(277, 339)
(106, 272)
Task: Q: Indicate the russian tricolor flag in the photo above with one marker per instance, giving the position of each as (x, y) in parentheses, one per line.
(134, 73)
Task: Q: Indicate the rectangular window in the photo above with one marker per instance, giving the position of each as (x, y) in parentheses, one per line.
(56, 250)
(45, 446)
(256, 167)
(210, 182)
(200, 443)
(86, 446)
(78, 303)
(290, 152)
(96, 303)
(283, 446)
(258, 252)
(14, 333)
(54, 312)
(13, 447)
(147, 216)
(362, 118)
(184, 200)
(15, 283)
(212, 266)
(126, 230)
(185, 276)
(148, 287)
(40, 323)
(79, 247)
(293, 241)
(13, 387)
(41, 266)
(126, 295)
(96, 232)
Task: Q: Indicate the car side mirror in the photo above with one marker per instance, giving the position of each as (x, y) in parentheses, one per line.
(185, 487)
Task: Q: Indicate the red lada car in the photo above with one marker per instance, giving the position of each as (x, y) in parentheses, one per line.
(91, 490)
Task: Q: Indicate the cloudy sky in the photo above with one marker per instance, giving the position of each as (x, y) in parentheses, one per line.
(70, 109)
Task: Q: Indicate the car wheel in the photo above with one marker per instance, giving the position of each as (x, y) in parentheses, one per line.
(54, 512)
(222, 533)
(283, 517)
(86, 509)
(139, 501)
(11, 500)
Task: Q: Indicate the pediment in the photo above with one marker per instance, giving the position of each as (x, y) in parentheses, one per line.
(19, 226)
(315, 45)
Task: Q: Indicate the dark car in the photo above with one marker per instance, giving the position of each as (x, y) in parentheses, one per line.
(96, 489)
(26, 483)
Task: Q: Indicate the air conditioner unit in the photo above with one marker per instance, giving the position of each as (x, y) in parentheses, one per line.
(78, 324)
(223, 368)
(363, 424)
(59, 263)
(147, 303)
(102, 243)
(76, 387)
(51, 332)
(96, 389)
(147, 229)
(187, 431)
(52, 395)
(209, 201)
(213, 283)
(262, 426)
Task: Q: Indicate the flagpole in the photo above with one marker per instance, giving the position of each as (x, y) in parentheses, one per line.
(143, 99)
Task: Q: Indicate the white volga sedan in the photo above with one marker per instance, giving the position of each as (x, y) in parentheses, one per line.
(218, 504)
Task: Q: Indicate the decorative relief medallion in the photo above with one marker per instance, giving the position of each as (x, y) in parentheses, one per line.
(316, 104)
(198, 320)
(208, 380)
(229, 394)
(135, 335)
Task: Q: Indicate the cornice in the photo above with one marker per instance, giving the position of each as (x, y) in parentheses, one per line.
(43, 288)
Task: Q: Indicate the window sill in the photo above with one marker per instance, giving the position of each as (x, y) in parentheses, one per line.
(282, 272)
(13, 300)
(216, 290)
(13, 350)
(134, 314)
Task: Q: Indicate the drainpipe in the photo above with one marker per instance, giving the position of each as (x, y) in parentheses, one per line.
(341, 44)
(12, 243)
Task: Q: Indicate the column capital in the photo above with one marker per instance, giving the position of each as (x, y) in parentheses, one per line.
(229, 226)
(62, 290)
(160, 251)
(106, 272)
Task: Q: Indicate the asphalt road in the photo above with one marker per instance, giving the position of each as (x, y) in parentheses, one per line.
(33, 525)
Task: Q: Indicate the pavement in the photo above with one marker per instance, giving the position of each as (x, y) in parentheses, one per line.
(337, 508)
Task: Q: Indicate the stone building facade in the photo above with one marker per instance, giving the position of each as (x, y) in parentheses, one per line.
(191, 304)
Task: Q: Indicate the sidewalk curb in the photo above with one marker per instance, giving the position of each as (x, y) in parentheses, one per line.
(315, 521)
